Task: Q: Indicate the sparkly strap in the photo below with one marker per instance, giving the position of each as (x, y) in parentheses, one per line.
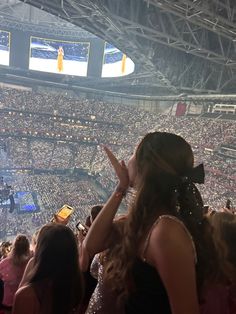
(173, 218)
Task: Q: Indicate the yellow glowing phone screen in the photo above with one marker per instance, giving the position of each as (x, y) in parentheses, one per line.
(65, 211)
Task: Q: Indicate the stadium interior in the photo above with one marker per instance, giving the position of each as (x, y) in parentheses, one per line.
(80, 77)
(53, 125)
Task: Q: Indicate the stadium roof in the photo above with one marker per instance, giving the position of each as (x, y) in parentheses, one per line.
(17, 15)
(177, 45)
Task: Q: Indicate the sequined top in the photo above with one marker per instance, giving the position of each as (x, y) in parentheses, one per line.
(103, 300)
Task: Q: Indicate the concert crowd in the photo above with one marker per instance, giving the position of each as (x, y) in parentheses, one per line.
(61, 149)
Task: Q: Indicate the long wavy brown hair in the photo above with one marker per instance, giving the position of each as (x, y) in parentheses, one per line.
(161, 160)
(224, 235)
(56, 261)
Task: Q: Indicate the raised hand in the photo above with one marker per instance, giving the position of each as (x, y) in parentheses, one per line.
(60, 220)
(120, 169)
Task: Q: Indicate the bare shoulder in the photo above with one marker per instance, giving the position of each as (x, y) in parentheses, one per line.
(25, 301)
(170, 237)
(25, 292)
(169, 227)
(170, 250)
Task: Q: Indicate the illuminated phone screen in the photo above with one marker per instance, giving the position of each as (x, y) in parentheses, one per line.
(65, 211)
(80, 227)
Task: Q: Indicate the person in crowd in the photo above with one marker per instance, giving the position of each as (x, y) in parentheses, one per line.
(34, 241)
(224, 235)
(29, 265)
(12, 268)
(103, 298)
(89, 280)
(158, 259)
(60, 57)
(55, 283)
(95, 210)
(1, 293)
(5, 249)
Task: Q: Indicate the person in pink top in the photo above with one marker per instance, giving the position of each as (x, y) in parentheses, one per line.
(12, 268)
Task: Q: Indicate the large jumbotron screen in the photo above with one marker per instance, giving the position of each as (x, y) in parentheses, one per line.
(26, 202)
(115, 62)
(57, 56)
(4, 47)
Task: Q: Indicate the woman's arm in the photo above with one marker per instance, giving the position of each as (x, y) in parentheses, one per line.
(171, 252)
(27, 271)
(101, 232)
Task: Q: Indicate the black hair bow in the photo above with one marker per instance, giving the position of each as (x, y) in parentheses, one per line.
(195, 175)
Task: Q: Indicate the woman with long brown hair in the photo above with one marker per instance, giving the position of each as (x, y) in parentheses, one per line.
(54, 284)
(158, 259)
(224, 236)
(12, 268)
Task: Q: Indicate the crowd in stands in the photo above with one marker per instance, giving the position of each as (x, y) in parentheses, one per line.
(43, 131)
(52, 193)
(46, 131)
(165, 254)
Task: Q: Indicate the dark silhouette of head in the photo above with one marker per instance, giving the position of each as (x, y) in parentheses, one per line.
(56, 261)
(95, 210)
(20, 251)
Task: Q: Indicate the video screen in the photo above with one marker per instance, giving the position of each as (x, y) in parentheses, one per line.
(61, 57)
(115, 62)
(4, 47)
(26, 202)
